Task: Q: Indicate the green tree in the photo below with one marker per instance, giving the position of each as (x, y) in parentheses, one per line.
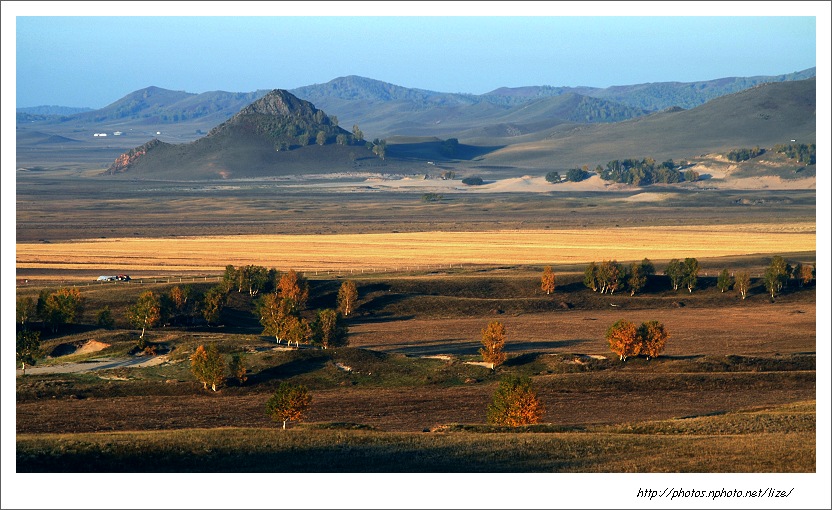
(341, 139)
(328, 330)
(25, 310)
(723, 281)
(357, 134)
(493, 341)
(146, 313)
(60, 307)
(691, 272)
(742, 282)
(105, 318)
(675, 271)
(347, 298)
(553, 177)
(290, 402)
(298, 330)
(609, 276)
(380, 148)
(213, 304)
(591, 276)
(274, 312)
(636, 279)
(515, 403)
(28, 348)
(576, 175)
(320, 138)
(776, 276)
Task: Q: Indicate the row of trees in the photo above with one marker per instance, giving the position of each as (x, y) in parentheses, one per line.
(609, 276)
(803, 153)
(572, 175)
(642, 172)
(738, 155)
(626, 339)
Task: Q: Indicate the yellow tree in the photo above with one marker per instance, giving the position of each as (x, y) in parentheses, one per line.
(347, 296)
(493, 341)
(547, 280)
(290, 402)
(653, 338)
(274, 312)
(623, 339)
(146, 313)
(515, 403)
(207, 366)
(742, 281)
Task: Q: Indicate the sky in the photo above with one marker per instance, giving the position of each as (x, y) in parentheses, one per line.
(100, 52)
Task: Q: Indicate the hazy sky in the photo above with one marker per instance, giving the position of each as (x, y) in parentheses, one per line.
(101, 53)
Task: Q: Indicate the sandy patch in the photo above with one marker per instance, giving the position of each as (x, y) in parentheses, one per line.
(91, 346)
(480, 364)
(444, 357)
(648, 197)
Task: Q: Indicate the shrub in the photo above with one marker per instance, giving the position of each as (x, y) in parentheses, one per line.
(289, 402)
(473, 181)
(515, 403)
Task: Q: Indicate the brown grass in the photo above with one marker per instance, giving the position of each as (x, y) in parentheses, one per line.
(401, 250)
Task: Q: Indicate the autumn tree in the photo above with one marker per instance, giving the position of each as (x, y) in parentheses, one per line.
(636, 278)
(591, 276)
(60, 307)
(547, 280)
(146, 313)
(294, 288)
(298, 330)
(328, 330)
(290, 402)
(28, 348)
(493, 341)
(776, 275)
(742, 282)
(208, 367)
(691, 272)
(609, 276)
(237, 368)
(723, 281)
(675, 271)
(177, 299)
(515, 403)
(652, 336)
(347, 297)
(623, 339)
(804, 274)
(104, 319)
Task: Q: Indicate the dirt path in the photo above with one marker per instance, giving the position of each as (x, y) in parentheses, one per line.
(92, 365)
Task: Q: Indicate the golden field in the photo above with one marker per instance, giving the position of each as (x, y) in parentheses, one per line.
(397, 251)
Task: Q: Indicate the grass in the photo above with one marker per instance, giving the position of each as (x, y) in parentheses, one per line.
(730, 443)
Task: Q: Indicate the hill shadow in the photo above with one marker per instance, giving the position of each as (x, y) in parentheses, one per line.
(292, 368)
(433, 150)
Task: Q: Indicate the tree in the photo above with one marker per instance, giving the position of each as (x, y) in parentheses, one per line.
(691, 271)
(653, 337)
(328, 330)
(742, 281)
(576, 175)
(105, 318)
(623, 339)
(609, 276)
(776, 275)
(213, 303)
(691, 175)
(347, 297)
(473, 180)
(237, 367)
(274, 312)
(320, 138)
(723, 281)
(515, 403)
(356, 133)
(636, 279)
(207, 366)
(547, 280)
(178, 299)
(146, 313)
(553, 177)
(493, 341)
(380, 148)
(60, 307)
(294, 288)
(298, 330)
(25, 310)
(341, 139)
(28, 348)
(675, 271)
(290, 402)
(591, 276)
(805, 274)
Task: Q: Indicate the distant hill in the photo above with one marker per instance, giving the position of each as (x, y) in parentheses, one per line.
(277, 134)
(764, 115)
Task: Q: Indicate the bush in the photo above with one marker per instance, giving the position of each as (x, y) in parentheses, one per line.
(515, 403)
(553, 177)
(473, 181)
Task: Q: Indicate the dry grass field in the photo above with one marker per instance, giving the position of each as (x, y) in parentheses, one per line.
(402, 251)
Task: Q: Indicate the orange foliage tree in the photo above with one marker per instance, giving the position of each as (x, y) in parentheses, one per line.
(515, 403)
(207, 366)
(289, 402)
(547, 280)
(493, 341)
(294, 288)
(623, 339)
(653, 338)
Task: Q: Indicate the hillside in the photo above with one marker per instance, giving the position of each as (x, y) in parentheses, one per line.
(764, 116)
(276, 135)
